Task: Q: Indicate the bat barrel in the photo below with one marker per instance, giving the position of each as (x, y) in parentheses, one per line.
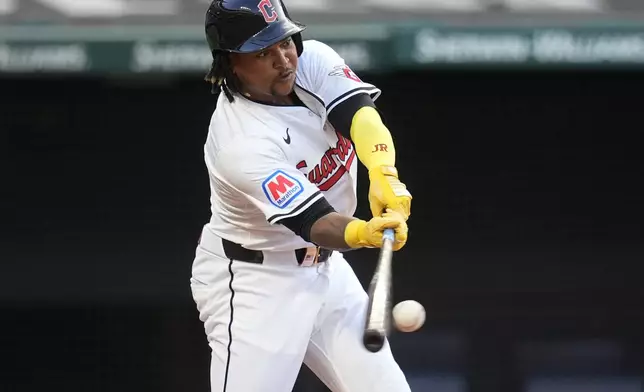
(377, 321)
(373, 340)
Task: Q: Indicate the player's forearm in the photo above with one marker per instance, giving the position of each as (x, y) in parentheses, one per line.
(328, 231)
(373, 142)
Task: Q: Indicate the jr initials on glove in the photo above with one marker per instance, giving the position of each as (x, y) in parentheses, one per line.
(363, 234)
(386, 191)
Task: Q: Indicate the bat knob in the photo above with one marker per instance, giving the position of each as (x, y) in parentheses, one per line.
(373, 341)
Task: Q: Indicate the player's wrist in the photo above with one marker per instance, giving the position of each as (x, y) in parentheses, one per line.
(353, 233)
(383, 170)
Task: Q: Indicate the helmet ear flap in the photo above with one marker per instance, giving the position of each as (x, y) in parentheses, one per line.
(212, 37)
(297, 38)
(299, 45)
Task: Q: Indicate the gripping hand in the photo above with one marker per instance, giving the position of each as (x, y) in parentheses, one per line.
(387, 192)
(363, 234)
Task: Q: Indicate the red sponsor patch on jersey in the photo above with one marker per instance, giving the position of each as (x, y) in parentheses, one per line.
(346, 72)
(281, 189)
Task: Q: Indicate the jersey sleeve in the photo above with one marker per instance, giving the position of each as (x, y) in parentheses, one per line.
(331, 78)
(261, 174)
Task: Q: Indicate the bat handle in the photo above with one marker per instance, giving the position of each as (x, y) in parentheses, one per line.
(388, 235)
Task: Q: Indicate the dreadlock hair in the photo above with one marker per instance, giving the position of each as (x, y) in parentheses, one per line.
(221, 76)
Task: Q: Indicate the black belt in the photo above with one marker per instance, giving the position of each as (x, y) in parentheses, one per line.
(237, 252)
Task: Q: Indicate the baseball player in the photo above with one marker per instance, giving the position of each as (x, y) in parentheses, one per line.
(270, 283)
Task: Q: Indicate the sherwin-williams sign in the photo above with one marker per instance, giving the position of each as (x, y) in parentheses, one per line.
(393, 47)
(545, 46)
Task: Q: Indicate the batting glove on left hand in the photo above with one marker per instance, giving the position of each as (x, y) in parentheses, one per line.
(363, 234)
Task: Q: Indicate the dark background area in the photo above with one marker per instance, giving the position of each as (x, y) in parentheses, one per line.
(525, 241)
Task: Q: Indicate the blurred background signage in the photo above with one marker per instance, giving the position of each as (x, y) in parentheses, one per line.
(140, 36)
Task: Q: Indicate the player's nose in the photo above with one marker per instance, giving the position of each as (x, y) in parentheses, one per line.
(281, 60)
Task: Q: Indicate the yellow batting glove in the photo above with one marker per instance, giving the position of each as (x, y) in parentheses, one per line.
(363, 234)
(387, 192)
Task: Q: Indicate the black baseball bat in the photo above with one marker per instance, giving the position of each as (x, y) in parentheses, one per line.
(378, 318)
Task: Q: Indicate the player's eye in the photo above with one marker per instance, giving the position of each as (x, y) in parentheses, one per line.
(287, 43)
(261, 54)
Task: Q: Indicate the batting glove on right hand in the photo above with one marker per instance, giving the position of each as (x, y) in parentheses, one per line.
(386, 191)
(363, 234)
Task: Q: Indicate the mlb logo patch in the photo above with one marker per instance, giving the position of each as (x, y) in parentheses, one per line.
(281, 189)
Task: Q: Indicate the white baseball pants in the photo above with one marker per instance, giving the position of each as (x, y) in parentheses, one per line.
(263, 321)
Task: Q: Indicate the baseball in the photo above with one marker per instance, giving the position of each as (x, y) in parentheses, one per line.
(408, 316)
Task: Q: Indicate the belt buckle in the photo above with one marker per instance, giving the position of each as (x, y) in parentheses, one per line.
(312, 256)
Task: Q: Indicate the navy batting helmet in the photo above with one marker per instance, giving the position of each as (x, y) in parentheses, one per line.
(246, 26)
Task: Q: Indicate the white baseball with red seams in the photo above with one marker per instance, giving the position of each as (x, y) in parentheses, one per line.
(408, 316)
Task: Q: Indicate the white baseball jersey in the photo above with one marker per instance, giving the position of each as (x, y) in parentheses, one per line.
(268, 163)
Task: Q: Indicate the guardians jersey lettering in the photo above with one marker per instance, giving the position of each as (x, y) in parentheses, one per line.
(327, 173)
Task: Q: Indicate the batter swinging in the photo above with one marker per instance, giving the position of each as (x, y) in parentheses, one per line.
(270, 284)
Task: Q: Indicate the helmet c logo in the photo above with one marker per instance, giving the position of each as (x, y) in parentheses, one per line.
(268, 10)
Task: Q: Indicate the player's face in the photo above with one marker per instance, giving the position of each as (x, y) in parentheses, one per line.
(269, 72)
